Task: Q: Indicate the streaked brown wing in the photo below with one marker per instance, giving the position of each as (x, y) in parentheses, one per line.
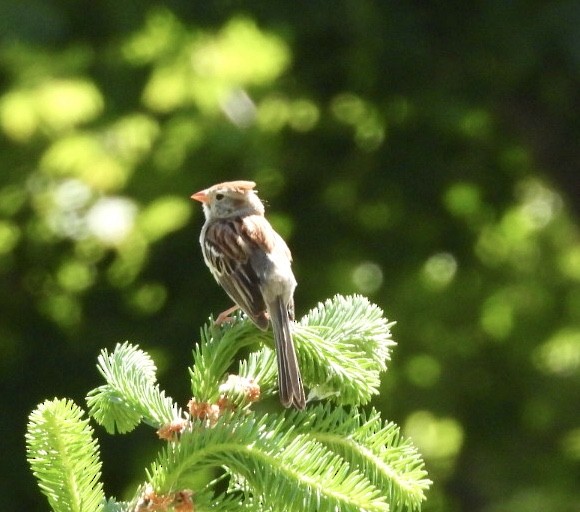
(228, 256)
(262, 234)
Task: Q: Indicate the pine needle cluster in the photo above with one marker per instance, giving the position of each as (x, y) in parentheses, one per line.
(334, 455)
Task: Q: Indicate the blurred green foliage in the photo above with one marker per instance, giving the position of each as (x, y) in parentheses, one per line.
(423, 154)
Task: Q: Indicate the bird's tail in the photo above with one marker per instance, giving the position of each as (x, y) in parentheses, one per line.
(289, 378)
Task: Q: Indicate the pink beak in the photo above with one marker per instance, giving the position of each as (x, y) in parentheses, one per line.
(201, 196)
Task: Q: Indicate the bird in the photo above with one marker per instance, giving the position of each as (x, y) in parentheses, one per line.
(252, 263)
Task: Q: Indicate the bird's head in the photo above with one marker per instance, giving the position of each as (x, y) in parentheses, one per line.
(230, 199)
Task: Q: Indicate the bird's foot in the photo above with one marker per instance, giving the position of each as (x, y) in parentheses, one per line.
(224, 317)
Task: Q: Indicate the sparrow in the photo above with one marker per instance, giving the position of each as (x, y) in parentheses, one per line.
(252, 263)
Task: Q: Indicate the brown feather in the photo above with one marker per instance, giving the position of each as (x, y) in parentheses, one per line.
(238, 185)
(259, 230)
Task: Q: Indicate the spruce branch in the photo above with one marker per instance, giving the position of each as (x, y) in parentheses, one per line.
(64, 457)
(324, 458)
(285, 470)
(377, 449)
(261, 367)
(216, 352)
(131, 394)
(343, 345)
(115, 506)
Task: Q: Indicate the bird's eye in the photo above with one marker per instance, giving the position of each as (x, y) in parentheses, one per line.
(219, 197)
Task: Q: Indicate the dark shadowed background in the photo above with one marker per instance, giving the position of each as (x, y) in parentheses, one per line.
(424, 154)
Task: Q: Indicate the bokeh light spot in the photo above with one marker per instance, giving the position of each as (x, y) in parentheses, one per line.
(369, 127)
(57, 105)
(83, 156)
(148, 298)
(423, 370)
(9, 236)
(367, 277)
(131, 138)
(463, 199)
(63, 104)
(160, 34)
(560, 355)
(18, 117)
(370, 133)
(63, 309)
(75, 276)
(304, 115)
(71, 194)
(540, 204)
(569, 262)
(437, 438)
(111, 219)
(163, 216)
(439, 270)
(491, 247)
(348, 108)
(65, 210)
(181, 135)
(497, 316)
(241, 54)
(273, 113)
(168, 87)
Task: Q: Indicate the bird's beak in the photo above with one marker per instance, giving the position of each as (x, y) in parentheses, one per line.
(201, 196)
